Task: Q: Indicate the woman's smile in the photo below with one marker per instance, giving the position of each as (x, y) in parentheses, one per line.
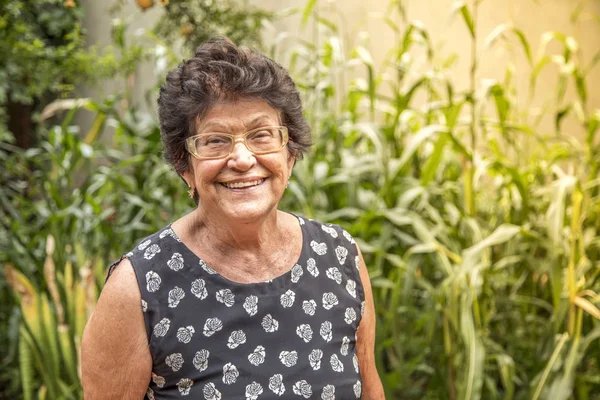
(245, 184)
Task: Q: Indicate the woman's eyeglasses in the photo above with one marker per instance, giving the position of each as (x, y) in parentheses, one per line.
(214, 145)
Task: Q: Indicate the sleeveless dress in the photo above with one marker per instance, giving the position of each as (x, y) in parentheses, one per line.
(293, 337)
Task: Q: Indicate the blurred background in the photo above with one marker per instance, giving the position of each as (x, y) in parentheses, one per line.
(456, 140)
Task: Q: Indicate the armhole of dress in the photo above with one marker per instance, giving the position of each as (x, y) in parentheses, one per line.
(351, 266)
(112, 269)
(360, 289)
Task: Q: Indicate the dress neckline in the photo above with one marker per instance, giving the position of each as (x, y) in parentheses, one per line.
(280, 281)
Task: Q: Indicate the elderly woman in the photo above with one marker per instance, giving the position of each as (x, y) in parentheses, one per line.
(237, 299)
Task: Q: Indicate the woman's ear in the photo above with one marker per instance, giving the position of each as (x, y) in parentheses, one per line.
(291, 161)
(188, 178)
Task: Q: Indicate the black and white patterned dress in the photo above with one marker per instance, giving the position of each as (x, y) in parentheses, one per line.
(291, 337)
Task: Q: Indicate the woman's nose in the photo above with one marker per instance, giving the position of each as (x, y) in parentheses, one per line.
(241, 158)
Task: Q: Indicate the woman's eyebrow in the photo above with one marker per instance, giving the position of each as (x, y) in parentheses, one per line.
(219, 126)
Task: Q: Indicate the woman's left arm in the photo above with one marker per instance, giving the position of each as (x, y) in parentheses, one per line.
(372, 389)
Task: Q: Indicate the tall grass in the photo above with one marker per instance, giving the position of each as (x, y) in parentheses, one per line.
(480, 230)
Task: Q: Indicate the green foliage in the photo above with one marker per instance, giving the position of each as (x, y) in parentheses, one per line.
(480, 230)
(42, 46)
(194, 22)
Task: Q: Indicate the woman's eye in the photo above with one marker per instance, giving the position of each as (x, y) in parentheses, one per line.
(261, 135)
(214, 140)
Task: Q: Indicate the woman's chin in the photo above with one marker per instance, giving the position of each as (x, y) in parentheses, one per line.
(247, 213)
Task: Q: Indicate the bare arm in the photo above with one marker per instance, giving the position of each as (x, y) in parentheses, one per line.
(372, 388)
(115, 358)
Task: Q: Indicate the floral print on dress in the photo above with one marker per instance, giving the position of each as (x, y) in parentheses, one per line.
(152, 281)
(161, 328)
(210, 392)
(336, 364)
(311, 266)
(251, 305)
(176, 262)
(253, 390)
(144, 305)
(315, 359)
(276, 384)
(211, 326)
(150, 394)
(287, 299)
(348, 236)
(329, 300)
(302, 388)
(144, 244)
(199, 289)
(158, 380)
(226, 297)
(230, 373)
(357, 389)
(288, 358)
(184, 334)
(345, 346)
(351, 287)
(319, 248)
(201, 360)
(236, 338)
(151, 252)
(175, 361)
(355, 363)
(350, 315)
(330, 231)
(257, 357)
(184, 385)
(296, 273)
(328, 392)
(309, 307)
(207, 268)
(305, 332)
(334, 274)
(175, 296)
(270, 324)
(341, 253)
(326, 331)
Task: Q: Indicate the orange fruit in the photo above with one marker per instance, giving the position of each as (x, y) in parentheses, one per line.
(145, 4)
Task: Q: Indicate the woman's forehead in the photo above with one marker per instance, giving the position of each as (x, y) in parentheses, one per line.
(241, 114)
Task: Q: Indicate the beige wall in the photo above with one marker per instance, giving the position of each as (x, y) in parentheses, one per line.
(449, 35)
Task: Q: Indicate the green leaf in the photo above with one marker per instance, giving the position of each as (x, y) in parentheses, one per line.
(475, 355)
(416, 141)
(433, 161)
(503, 233)
(307, 12)
(461, 7)
(549, 366)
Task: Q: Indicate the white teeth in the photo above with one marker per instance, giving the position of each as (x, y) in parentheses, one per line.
(237, 185)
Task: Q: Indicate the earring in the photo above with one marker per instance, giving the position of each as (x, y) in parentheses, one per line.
(191, 192)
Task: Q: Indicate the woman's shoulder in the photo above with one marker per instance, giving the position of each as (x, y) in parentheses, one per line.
(148, 249)
(327, 230)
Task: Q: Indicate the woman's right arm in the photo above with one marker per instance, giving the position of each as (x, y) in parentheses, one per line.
(115, 358)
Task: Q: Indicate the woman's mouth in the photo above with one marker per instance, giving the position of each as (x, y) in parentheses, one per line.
(241, 185)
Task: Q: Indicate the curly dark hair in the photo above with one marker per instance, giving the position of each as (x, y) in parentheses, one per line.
(220, 70)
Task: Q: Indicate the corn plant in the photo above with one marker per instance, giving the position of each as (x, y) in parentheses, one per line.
(480, 230)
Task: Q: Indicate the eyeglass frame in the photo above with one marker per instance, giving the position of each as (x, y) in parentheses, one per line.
(191, 148)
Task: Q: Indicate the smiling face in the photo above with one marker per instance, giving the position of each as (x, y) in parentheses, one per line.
(241, 187)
